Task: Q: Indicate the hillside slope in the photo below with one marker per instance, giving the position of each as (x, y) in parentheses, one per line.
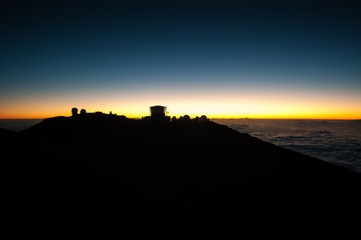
(112, 178)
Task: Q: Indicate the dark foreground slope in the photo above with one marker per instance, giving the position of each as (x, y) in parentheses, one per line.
(117, 178)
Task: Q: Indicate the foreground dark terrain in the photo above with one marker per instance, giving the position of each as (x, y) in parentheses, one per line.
(116, 178)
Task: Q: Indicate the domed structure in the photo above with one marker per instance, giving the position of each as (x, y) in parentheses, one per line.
(74, 111)
(83, 112)
(204, 118)
(186, 118)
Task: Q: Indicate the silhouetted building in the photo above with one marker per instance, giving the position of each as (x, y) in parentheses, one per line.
(74, 111)
(95, 115)
(158, 114)
(186, 118)
(204, 118)
(158, 111)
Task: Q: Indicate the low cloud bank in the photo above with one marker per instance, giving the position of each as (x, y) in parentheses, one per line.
(335, 141)
(18, 124)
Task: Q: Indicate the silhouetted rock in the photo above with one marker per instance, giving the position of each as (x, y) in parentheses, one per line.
(109, 177)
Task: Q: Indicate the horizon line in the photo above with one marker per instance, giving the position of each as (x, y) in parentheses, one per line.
(209, 117)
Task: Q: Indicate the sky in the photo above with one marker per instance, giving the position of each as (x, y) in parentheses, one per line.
(234, 59)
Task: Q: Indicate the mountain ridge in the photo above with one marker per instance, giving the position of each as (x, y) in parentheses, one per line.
(116, 177)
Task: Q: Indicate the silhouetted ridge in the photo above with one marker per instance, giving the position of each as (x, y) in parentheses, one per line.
(7, 137)
(99, 176)
(6, 132)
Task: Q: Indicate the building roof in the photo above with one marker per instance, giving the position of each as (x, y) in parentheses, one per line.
(157, 106)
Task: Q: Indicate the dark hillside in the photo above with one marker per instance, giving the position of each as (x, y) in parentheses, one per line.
(6, 135)
(113, 178)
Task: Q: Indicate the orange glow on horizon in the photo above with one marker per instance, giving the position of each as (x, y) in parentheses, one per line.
(325, 116)
(211, 112)
(138, 116)
(214, 103)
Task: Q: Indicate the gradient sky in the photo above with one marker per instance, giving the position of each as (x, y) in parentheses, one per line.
(269, 59)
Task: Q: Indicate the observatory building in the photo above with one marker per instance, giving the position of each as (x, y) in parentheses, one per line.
(158, 111)
(158, 114)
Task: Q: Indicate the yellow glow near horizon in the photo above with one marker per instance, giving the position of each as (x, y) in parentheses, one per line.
(211, 110)
(239, 103)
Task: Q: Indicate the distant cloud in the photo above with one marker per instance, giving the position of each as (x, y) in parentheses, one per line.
(18, 124)
(338, 142)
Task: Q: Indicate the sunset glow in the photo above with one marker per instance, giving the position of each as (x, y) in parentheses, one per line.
(221, 60)
(234, 103)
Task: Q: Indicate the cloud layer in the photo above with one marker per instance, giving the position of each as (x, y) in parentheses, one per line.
(335, 141)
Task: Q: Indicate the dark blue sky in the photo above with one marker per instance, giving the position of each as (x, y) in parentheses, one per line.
(72, 47)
